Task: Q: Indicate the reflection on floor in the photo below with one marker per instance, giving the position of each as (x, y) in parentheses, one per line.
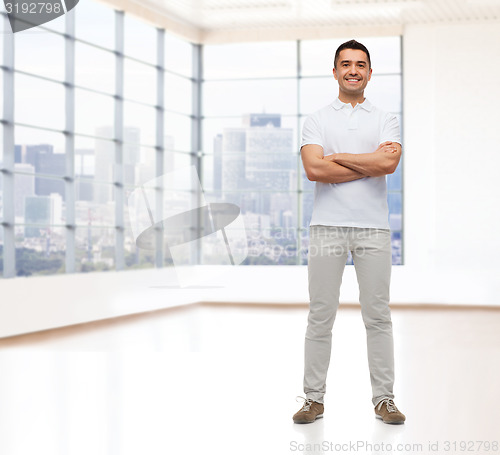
(222, 379)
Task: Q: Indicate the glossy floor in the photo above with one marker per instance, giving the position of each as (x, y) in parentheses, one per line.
(222, 379)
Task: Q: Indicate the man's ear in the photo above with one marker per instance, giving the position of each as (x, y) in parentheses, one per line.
(335, 74)
(370, 74)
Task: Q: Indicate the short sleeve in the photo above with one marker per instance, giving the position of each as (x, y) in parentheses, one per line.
(311, 133)
(390, 130)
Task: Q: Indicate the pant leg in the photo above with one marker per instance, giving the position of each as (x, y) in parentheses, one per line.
(326, 261)
(372, 256)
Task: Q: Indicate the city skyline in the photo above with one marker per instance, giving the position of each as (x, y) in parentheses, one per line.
(254, 168)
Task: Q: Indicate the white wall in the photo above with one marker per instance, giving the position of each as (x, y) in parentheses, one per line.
(452, 153)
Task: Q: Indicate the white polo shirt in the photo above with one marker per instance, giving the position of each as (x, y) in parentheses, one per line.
(340, 128)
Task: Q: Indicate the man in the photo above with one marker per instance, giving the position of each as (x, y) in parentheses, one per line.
(347, 149)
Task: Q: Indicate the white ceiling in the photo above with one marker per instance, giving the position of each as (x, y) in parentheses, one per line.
(211, 20)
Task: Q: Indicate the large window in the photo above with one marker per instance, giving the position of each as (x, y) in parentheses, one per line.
(105, 104)
(256, 98)
(99, 111)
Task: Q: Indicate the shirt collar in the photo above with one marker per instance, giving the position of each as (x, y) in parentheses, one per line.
(337, 104)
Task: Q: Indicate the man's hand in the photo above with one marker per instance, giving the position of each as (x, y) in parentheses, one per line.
(382, 161)
(388, 146)
(319, 169)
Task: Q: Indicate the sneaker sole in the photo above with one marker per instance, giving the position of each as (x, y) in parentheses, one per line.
(399, 422)
(319, 416)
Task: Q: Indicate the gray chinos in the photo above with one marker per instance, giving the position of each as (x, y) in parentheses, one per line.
(372, 257)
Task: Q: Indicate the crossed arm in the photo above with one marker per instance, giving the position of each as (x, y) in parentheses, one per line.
(346, 167)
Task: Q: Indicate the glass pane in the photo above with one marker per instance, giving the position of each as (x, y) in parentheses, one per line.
(95, 204)
(135, 257)
(307, 207)
(94, 113)
(317, 56)
(139, 164)
(394, 200)
(84, 194)
(262, 146)
(95, 158)
(140, 82)
(37, 191)
(58, 24)
(277, 210)
(213, 129)
(40, 246)
(24, 186)
(39, 102)
(140, 39)
(307, 185)
(397, 248)
(178, 94)
(95, 249)
(95, 23)
(385, 92)
(94, 68)
(174, 160)
(248, 60)
(394, 180)
(85, 159)
(40, 53)
(272, 247)
(104, 152)
(44, 150)
(40, 210)
(143, 118)
(131, 149)
(317, 92)
(178, 55)
(246, 97)
(177, 132)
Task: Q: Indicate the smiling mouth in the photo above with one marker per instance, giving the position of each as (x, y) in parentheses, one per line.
(353, 80)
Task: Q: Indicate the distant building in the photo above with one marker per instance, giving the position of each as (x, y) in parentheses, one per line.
(45, 161)
(262, 120)
(105, 161)
(37, 210)
(84, 172)
(255, 167)
(24, 186)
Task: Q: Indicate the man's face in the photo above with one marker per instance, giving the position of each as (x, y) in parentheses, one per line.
(352, 71)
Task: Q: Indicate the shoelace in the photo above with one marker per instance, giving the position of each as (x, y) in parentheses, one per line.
(307, 403)
(391, 407)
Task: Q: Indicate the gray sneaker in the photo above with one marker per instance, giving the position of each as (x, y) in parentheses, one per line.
(387, 411)
(310, 411)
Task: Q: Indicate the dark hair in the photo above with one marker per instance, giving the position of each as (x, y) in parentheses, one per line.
(352, 44)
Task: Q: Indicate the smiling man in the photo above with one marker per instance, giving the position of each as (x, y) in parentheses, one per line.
(348, 147)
